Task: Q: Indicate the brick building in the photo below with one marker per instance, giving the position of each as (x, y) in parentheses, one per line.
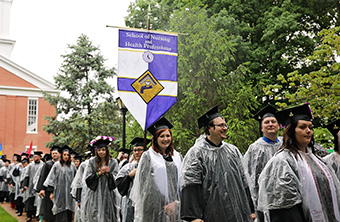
(22, 106)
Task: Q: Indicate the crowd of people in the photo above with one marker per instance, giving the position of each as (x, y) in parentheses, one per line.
(278, 179)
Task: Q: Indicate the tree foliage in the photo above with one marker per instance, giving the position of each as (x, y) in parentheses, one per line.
(85, 108)
(234, 49)
(320, 87)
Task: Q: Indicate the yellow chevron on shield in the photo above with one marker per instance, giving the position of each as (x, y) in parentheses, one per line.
(147, 86)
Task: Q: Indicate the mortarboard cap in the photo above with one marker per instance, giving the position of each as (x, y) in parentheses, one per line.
(102, 141)
(138, 141)
(6, 160)
(47, 157)
(334, 128)
(290, 115)
(55, 148)
(24, 155)
(78, 157)
(18, 157)
(161, 123)
(65, 148)
(267, 111)
(125, 150)
(208, 116)
(39, 153)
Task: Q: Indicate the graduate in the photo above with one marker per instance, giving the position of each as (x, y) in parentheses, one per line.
(16, 177)
(101, 203)
(213, 185)
(47, 204)
(126, 177)
(259, 152)
(79, 188)
(333, 159)
(155, 191)
(58, 183)
(295, 185)
(28, 184)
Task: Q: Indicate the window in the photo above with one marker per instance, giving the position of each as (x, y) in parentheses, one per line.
(32, 116)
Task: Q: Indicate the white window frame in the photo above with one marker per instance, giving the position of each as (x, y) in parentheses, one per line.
(34, 148)
(28, 130)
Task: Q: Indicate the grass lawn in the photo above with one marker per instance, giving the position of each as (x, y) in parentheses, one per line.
(6, 217)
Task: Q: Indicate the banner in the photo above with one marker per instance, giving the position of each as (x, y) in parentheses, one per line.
(147, 73)
(0, 149)
(29, 152)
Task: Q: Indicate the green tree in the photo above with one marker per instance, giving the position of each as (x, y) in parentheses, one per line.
(320, 87)
(85, 108)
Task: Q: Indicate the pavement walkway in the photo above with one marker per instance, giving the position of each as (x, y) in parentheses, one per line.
(22, 218)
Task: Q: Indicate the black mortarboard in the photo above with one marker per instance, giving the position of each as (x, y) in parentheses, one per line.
(55, 148)
(138, 141)
(18, 157)
(39, 153)
(24, 155)
(294, 114)
(102, 141)
(74, 153)
(6, 160)
(334, 128)
(78, 157)
(47, 157)
(125, 150)
(161, 123)
(65, 148)
(208, 116)
(267, 111)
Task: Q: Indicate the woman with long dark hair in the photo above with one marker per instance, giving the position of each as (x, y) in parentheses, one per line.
(58, 183)
(101, 198)
(156, 187)
(295, 185)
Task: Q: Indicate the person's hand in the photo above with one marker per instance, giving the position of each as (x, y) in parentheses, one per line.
(41, 193)
(197, 220)
(12, 186)
(170, 209)
(104, 169)
(253, 216)
(25, 187)
(78, 203)
(132, 173)
(51, 196)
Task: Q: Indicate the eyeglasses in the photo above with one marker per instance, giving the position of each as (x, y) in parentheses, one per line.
(138, 150)
(222, 125)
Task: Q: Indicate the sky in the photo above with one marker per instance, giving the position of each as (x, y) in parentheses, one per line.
(42, 30)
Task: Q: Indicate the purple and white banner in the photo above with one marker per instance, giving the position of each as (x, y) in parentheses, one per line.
(147, 73)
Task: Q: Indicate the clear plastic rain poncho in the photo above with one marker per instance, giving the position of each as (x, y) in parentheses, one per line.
(25, 194)
(255, 159)
(127, 209)
(287, 181)
(333, 162)
(31, 170)
(38, 200)
(155, 186)
(219, 172)
(101, 203)
(10, 169)
(17, 178)
(79, 183)
(60, 178)
(3, 175)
